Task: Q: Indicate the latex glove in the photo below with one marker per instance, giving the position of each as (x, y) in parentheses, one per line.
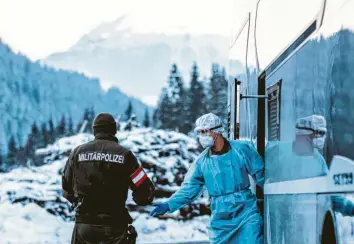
(160, 209)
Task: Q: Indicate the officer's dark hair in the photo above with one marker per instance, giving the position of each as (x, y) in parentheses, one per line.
(104, 123)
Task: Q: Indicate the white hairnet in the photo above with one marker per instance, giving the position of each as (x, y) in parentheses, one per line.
(209, 121)
(307, 125)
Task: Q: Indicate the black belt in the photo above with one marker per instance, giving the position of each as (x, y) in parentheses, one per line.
(103, 219)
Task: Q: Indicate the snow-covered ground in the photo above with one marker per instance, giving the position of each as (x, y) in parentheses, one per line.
(32, 224)
(32, 209)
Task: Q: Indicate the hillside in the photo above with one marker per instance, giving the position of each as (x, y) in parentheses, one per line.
(31, 92)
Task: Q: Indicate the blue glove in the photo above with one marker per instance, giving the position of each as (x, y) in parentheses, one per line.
(160, 209)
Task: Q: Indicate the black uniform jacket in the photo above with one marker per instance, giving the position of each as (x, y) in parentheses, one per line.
(97, 177)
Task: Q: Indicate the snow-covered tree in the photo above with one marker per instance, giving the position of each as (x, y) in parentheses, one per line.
(88, 116)
(147, 118)
(155, 119)
(2, 163)
(217, 92)
(70, 127)
(44, 136)
(196, 103)
(51, 131)
(61, 128)
(33, 142)
(90, 119)
(129, 110)
(12, 151)
(176, 93)
(164, 110)
(31, 91)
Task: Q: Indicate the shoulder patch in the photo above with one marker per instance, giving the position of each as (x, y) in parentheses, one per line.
(138, 177)
(100, 156)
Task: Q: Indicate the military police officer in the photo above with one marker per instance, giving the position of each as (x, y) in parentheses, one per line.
(96, 179)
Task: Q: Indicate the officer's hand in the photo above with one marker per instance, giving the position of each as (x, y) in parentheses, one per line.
(160, 209)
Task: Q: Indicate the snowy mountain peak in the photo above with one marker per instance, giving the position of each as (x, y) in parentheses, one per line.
(139, 62)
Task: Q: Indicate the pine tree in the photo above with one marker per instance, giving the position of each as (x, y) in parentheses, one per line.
(86, 117)
(12, 151)
(129, 110)
(223, 95)
(2, 164)
(218, 92)
(177, 98)
(70, 130)
(146, 118)
(33, 142)
(196, 98)
(90, 119)
(51, 132)
(214, 90)
(164, 110)
(44, 136)
(60, 130)
(155, 119)
(20, 156)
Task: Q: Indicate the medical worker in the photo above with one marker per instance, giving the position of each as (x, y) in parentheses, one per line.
(223, 168)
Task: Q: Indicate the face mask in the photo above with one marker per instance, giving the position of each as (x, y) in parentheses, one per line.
(318, 142)
(206, 141)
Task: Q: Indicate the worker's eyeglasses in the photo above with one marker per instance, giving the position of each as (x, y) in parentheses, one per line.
(204, 132)
(316, 133)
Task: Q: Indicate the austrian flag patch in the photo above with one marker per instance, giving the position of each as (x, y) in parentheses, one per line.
(138, 177)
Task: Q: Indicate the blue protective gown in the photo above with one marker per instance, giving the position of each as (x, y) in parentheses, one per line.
(235, 217)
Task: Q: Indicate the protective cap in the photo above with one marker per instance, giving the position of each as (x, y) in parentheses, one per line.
(311, 124)
(209, 121)
(104, 123)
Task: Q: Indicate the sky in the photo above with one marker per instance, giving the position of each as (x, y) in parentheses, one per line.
(38, 28)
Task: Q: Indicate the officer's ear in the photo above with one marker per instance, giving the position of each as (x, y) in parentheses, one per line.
(213, 134)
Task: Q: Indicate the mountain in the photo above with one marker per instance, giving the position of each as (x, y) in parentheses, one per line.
(139, 63)
(34, 93)
(32, 196)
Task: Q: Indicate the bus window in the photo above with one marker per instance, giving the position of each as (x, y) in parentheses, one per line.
(299, 158)
(237, 69)
(279, 22)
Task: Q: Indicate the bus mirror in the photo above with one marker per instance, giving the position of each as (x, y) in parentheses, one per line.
(253, 96)
(238, 83)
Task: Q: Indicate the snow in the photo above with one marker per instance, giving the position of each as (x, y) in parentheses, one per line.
(65, 144)
(170, 162)
(152, 230)
(32, 224)
(33, 210)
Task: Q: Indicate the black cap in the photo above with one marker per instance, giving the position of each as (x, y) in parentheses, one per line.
(104, 123)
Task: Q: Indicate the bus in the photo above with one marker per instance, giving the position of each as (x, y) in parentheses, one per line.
(291, 69)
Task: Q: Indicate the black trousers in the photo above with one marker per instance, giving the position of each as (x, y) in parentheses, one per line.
(99, 234)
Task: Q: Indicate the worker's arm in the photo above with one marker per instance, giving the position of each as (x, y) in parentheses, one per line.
(190, 189)
(67, 179)
(254, 163)
(142, 187)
